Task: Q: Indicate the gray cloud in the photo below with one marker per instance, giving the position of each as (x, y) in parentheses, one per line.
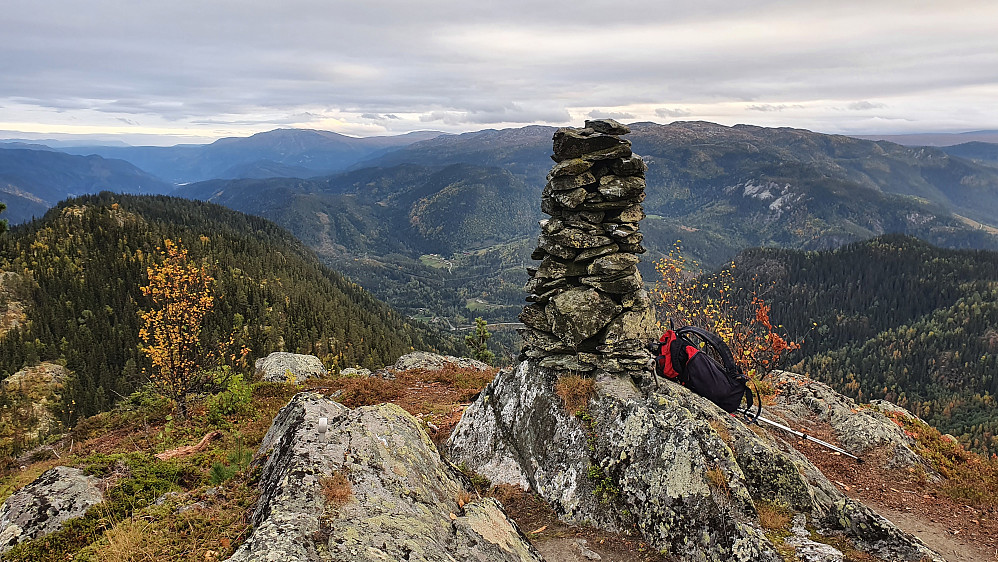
(510, 113)
(598, 114)
(864, 105)
(766, 107)
(392, 65)
(670, 112)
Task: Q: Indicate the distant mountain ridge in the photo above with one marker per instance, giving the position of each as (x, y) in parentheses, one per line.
(985, 153)
(297, 152)
(936, 139)
(31, 181)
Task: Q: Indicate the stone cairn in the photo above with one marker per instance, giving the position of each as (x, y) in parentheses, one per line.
(589, 313)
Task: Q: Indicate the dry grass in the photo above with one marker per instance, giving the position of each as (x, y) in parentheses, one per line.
(128, 541)
(336, 489)
(721, 429)
(575, 392)
(460, 385)
(717, 478)
(969, 477)
(772, 516)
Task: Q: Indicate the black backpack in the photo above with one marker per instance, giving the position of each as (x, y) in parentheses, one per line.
(702, 362)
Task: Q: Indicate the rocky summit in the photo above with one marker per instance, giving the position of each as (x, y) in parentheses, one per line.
(666, 463)
(636, 457)
(588, 309)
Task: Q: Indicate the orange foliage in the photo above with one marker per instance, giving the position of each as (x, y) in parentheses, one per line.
(686, 297)
(181, 296)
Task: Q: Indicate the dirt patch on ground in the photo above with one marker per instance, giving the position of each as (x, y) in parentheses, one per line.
(958, 531)
(559, 542)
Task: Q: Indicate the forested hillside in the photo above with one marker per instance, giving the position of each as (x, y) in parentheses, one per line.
(81, 267)
(474, 200)
(433, 241)
(898, 319)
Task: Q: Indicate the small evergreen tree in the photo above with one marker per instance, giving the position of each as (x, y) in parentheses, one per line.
(3, 222)
(478, 342)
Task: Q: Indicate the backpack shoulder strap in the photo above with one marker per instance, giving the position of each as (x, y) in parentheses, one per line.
(717, 343)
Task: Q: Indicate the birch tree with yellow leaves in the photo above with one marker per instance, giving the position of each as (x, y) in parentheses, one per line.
(182, 295)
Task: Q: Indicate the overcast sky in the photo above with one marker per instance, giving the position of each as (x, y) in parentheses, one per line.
(161, 72)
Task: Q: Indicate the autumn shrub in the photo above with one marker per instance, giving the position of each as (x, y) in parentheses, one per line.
(181, 295)
(686, 296)
(969, 477)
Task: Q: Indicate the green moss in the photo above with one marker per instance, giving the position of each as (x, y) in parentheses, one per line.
(603, 486)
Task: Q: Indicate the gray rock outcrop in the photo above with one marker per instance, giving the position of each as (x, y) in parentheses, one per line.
(589, 311)
(859, 429)
(668, 463)
(434, 362)
(373, 487)
(40, 508)
(281, 366)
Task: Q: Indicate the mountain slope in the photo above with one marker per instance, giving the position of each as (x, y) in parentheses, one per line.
(87, 258)
(295, 152)
(31, 181)
(897, 319)
(985, 153)
(722, 189)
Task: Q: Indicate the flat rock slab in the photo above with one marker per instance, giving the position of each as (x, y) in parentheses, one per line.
(40, 508)
(859, 429)
(281, 366)
(372, 487)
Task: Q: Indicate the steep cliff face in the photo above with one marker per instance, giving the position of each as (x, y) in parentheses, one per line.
(663, 462)
(368, 484)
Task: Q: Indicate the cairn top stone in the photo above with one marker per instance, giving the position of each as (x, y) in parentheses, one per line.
(572, 143)
(607, 126)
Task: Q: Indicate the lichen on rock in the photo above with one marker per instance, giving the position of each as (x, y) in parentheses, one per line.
(282, 366)
(666, 462)
(373, 487)
(43, 506)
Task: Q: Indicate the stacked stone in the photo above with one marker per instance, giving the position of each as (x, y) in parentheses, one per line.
(589, 312)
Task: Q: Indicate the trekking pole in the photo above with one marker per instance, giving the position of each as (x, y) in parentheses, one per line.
(802, 435)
